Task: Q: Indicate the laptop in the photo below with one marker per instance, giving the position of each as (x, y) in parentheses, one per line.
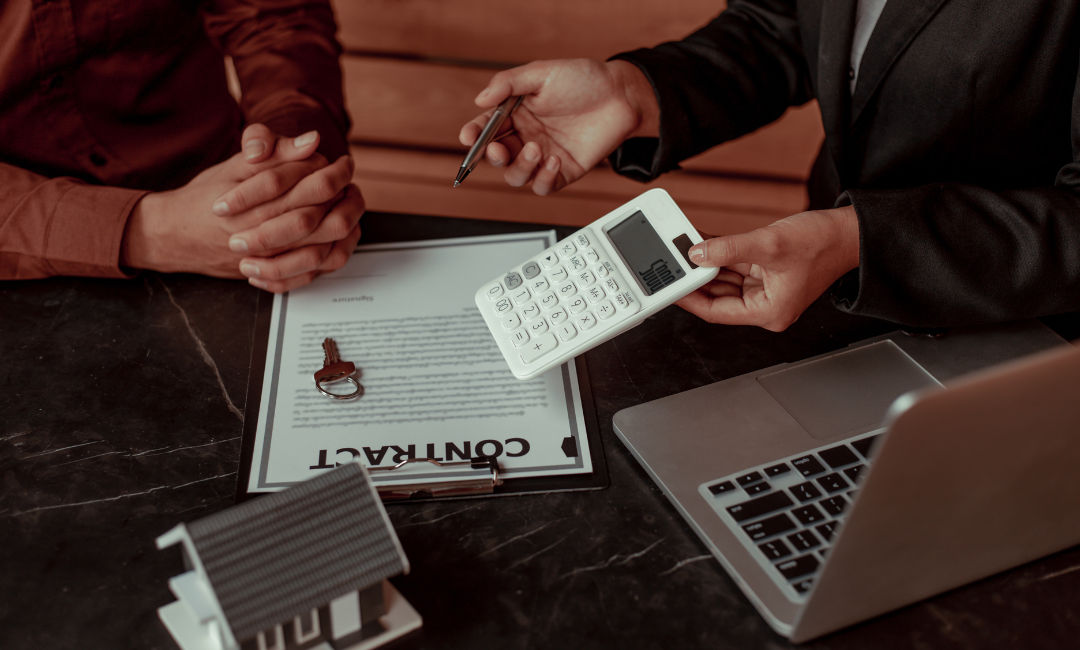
(853, 483)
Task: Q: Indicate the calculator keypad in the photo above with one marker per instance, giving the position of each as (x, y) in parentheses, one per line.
(571, 290)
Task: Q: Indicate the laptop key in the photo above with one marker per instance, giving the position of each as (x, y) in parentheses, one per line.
(747, 479)
(777, 469)
(853, 472)
(826, 529)
(833, 482)
(759, 506)
(838, 456)
(808, 514)
(805, 491)
(768, 527)
(834, 505)
(808, 465)
(804, 540)
(721, 487)
(775, 549)
(803, 586)
(865, 445)
(798, 567)
(757, 488)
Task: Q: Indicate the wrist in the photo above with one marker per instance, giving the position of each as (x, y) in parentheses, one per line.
(846, 224)
(141, 246)
(639, 96)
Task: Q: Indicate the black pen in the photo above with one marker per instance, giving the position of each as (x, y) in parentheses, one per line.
(486, 137)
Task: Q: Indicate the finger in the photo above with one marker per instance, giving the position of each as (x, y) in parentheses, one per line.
(320, 186)
(755, 246)
(547, 177)
(277, 233)
(266, 185)
(282, 286)
(342, 251)
(292, 263)
(523, 166)
(726, 310)
(340, 221)
(522, 80)
(257, 142)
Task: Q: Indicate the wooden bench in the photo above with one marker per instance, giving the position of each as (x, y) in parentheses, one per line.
(412, 68)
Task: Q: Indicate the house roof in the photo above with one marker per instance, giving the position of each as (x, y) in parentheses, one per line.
(282, 554)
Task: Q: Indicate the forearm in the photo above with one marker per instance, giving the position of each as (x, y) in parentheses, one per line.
(60, 226)
(953, 254)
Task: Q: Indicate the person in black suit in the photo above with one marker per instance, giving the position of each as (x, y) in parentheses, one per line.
(947, 191)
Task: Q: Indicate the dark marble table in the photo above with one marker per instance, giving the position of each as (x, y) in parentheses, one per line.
(121, 412)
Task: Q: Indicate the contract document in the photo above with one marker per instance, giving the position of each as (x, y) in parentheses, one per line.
(434, 383)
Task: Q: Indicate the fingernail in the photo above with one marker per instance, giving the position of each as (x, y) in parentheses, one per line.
(258, 284)
(552, 163)
(220, 208)
(253, 149)
(304, 140)
(250, 270)
(483, 93)
(238, 245)
(532, 153)
(697, 254)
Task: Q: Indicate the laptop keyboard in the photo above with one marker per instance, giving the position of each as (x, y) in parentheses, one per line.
(787, 511)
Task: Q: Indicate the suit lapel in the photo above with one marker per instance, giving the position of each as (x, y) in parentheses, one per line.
(834, 54)
(900, 21)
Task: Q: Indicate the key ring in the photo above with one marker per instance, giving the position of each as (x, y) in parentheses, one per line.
(359, 390)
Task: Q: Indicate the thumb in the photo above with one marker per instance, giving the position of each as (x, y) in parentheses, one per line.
(729, 250)
(525, 79)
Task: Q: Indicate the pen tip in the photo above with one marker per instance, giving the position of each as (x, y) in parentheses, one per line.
(456, 183)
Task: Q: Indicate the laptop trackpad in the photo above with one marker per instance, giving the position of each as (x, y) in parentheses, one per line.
(848, 392)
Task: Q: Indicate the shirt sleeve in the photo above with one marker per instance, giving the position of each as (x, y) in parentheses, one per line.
(60, 226)
(737, 73)
(286, 57)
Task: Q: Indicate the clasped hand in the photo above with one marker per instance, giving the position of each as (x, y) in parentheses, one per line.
(277, 213)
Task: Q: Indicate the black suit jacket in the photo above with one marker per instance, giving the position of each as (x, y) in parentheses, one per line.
(958, 147)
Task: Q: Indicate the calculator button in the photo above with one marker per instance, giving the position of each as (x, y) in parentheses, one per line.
(581, 239)
(510, 321)
(559, 274)
(494, 291)
(585, 278)
(604, 309)
(549, 300)
(577, 304)
(567, 289)
(585, 321)
(549, 259)
(591, 256)
(504, 305)
(538, 326)
(538, 347)
(567, 248)
(521, 295)
(595, 294)
(519, 338)
(567, 331)
(605, 269)
(626, 301)
(577, 263)
(512, 280)
(530, 311)
(558, 316)
(540, 285)
(531, 270)
(611, 285)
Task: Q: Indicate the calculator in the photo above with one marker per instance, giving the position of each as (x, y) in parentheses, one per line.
(599, 282)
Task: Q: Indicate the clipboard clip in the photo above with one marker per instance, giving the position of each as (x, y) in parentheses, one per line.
(449, 488)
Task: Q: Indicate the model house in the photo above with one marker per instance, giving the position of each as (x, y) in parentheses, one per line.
(302, 568)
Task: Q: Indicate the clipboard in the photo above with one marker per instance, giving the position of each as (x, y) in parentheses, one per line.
(476, 477)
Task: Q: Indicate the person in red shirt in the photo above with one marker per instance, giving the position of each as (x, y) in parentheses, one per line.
(121, 147)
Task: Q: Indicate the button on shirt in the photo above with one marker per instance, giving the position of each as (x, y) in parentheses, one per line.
(104, 100)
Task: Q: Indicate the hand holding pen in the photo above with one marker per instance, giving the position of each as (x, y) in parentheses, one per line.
(574, 113)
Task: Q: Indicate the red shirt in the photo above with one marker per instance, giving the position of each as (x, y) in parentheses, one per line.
(104, 100)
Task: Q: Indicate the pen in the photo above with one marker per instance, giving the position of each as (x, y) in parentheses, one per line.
(487, 135)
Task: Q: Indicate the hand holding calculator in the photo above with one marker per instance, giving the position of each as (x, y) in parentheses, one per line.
(599, 282)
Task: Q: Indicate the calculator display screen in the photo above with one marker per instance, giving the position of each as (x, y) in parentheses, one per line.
(645, 253)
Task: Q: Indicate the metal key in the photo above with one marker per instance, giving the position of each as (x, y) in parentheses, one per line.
(334, 369)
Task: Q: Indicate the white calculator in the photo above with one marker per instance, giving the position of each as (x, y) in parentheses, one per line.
(598, 282)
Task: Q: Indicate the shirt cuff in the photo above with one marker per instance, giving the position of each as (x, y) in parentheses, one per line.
(86, 230)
